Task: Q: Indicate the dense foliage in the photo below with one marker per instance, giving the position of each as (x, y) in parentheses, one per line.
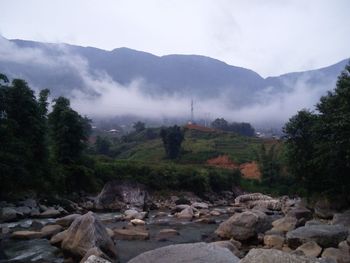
(318, 143)
(241, 128)
(38, 151)
(172, 138)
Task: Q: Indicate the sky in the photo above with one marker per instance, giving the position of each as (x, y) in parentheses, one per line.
(271, 37)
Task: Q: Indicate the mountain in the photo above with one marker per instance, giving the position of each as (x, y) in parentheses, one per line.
(70, 70)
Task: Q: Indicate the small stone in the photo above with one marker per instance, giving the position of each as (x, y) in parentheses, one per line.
(310, 249)
(167, 233)
(138, 222)
(26, 234)
(131, 234)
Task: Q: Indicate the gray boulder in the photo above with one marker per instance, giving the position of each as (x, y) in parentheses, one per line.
(8, 214)
(117, 195)
(87, 232)
(244, 226)
(323, 235)
(342, 219)
(187, 253)
(274, 256)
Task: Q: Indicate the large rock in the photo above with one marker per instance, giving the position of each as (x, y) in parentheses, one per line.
(66, 221)
(117, 195)
(244, 226)
(57, 239)
(50, 230)
(187, 253)
(87, 232)
(187, 213)
(26, 234)
(95, 259)
(336, 254)
(310, 249)
(324, 235)
(274, 256)
(273, 241)
(133, 233)
(300, 212)
(284, 224)
(8, 214)
(50, 213)
(342, 219)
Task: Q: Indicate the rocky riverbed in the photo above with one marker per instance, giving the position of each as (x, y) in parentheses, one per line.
(125, 223)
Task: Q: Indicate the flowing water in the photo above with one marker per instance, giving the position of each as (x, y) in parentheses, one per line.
(40, 250)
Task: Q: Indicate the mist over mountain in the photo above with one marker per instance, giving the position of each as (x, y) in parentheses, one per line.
(128, 82)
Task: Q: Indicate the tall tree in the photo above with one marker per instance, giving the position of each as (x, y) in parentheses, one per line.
(68, 132)
(172, 138)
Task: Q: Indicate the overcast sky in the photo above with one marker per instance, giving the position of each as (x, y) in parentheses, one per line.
(271, 37)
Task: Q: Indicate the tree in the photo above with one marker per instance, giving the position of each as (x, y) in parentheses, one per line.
(23, 157)
(318, 144)
(102, 145)
(139, 126)
(220, 124)
(68, 132)
(172, 138)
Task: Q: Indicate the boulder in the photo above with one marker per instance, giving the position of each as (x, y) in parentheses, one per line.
(193, 252)
(342, 219)
(230, 246)
(50, 213)
(117, 195)
(336, 254)
(137, 222)
(57, 239)
(179, 208)
(310, 249)
(87, 232)
(134, 214)
(95, 259)
(29, 203)
(26, 234)
(244, 226)
(133, 233)
(50, 230)
(284, 224)
(300, 212)
(66, 221)
(256, 255)
(273, 241)
(23, 210)
(8, 214)
(167, 233)
(251, 197)
(323, 235)
(95, 255)
(187, 213)
(199, 205)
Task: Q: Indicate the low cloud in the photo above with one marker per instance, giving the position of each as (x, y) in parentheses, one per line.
(102, 97)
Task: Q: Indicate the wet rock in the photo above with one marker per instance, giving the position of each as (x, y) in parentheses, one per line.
(342, 219)
(284, 224)
(50, 230)
(137, 222)
(25, 234)
(167, 233)
(244, 226)
(117, 195)
(134, 214)
(324, 235)
(29, 203)
(87, 232)
(195, 252)
(215, 213)
(66, 221)
(230, 246)
(187, 213)
(336, 254)
(57, 239)
(50, 213)
(310, 249)
(8, 214)
(133, 233)
(273, 241)
(274, 256)
(24, 211)
(95, 255)
(95, 259)
(179, 208)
